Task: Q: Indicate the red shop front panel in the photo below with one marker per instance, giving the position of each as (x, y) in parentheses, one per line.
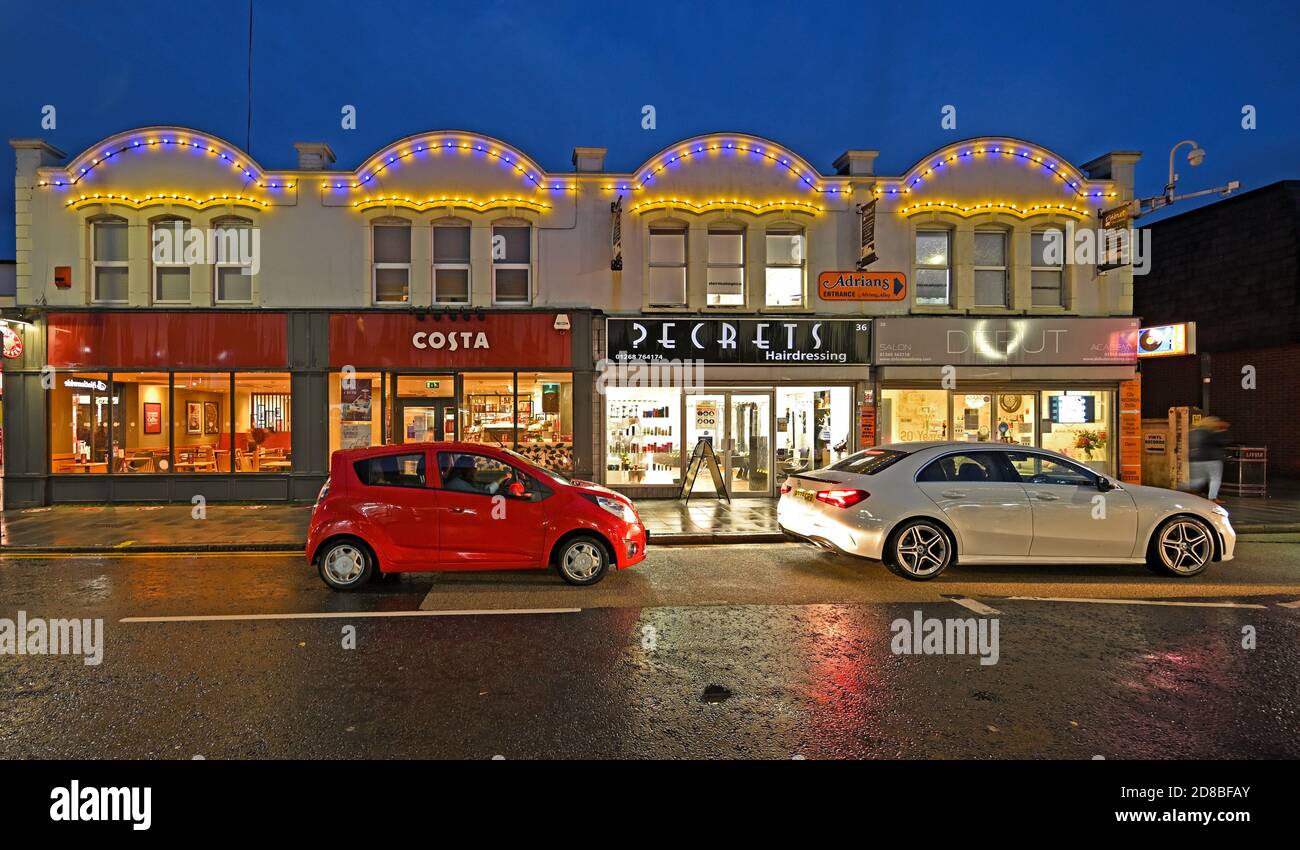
(401, 340)
(139, 340)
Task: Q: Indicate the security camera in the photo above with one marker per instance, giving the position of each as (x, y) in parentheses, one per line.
(1196, 156)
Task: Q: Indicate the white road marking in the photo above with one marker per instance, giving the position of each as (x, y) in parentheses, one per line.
(977, 607)
(1295, 604)
(1173, 603)
(343, 615)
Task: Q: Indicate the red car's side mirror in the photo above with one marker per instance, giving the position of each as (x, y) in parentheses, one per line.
(516, 490)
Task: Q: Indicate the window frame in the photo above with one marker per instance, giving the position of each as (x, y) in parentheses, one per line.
(217, 267)
(156, 267)
(675, 230)
(435, 264)
(375, 265)
(1003, 269)
(710, 264)
(946, 267)
(421, 453)
(1058, 270)
(801, 265)
(997, 459)
(96, 264)
(509, 265)
(1090, 477)
(515, 473)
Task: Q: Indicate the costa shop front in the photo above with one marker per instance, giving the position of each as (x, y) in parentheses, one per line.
(234, 405)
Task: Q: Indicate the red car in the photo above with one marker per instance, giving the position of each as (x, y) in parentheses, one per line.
(464, 506)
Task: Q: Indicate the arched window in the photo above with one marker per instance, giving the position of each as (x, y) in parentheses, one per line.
(512, 258)
(726, 281)
(451, 265)
(169, 239)
(990, 268)
(785, 267)
(391, 266)
(235, 259)
(109, 260)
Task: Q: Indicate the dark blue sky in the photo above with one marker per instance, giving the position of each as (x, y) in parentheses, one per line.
(1079, 78)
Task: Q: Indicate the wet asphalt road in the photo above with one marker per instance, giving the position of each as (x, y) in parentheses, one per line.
(797, 642)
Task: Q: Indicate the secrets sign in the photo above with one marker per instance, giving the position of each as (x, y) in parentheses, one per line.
(741, 341)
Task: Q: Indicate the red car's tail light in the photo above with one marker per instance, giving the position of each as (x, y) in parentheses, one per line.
(842, 498)
(786, 488)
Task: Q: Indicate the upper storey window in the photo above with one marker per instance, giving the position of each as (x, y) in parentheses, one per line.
(392, 262)
(109, 253)
(933, 267)
(511, 264)
(785, 268)
(726, 283)
(667, 267)
(451, 264)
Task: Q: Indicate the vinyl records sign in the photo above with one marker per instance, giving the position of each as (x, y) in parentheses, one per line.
(796, 342)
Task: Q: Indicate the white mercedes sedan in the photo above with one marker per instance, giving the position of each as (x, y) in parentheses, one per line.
(921, 507)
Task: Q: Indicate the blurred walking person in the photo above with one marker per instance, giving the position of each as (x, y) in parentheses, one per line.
(1208, 445)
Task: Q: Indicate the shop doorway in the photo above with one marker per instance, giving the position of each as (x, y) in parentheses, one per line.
(738, 426)
(424, 420)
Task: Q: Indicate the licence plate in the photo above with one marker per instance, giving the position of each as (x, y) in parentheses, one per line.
(807, 495)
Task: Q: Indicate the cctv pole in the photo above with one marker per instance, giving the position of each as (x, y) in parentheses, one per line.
(1173, 177)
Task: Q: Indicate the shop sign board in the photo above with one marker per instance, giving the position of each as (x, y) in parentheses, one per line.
(794, 342)
(1167, 340)
(1130, 431)
(947, 341)
(384, 339)
(862, 286)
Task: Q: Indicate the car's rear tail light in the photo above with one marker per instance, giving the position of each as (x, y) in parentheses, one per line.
(786, 488)
(842, 498)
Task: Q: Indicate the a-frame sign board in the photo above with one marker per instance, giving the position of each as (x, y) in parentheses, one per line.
(702, 455)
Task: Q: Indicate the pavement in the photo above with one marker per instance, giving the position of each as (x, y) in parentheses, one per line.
(777, 652)
(283, 527)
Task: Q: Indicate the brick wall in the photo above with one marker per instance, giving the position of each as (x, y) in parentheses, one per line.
(1233, 267)
(1268, 415)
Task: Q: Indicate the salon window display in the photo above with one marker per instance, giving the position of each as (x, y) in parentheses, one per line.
(642, 441)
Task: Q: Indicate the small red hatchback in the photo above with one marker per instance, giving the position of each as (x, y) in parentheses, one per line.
(464, 506)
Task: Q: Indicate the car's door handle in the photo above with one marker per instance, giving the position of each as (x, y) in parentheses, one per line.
(954, 494)
(1046, 497)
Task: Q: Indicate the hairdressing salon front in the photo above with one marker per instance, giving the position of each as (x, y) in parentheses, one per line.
(770, 396)
(1062, 384)
(155, 405)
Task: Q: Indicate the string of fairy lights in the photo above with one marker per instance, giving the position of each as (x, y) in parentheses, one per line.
(532, 176)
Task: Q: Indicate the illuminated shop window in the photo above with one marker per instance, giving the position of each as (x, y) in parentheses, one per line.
(201, 422)
(79, 423)
(667, 284)
(109, 253)
(545, 404)
(990, 268)
(424, 409)
(1077, 424)
(643, 440)
(511, 263)
(391, 240)
(812, 427)
(487, 409)
(141, 423)
(785, 268)
(909, 416)
(933, 260)
(356, 410)
(263, 427)
(726, 281)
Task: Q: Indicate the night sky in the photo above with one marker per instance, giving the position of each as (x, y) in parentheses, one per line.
(1078, 78)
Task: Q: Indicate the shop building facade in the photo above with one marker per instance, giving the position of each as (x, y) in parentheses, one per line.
(190, 322)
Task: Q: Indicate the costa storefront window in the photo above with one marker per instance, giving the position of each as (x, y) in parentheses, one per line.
(545, 403)
(79, 423)
(425, 408)
(487, 409)
(201, 421)
(356, 410)
(263, 430)
(142, 422)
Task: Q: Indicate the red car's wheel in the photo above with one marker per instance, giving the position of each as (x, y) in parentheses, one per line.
(582, 560)
(346, 565)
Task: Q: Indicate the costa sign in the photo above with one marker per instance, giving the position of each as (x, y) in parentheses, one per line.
(741, 341)
(451, 341)
(383, 339)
